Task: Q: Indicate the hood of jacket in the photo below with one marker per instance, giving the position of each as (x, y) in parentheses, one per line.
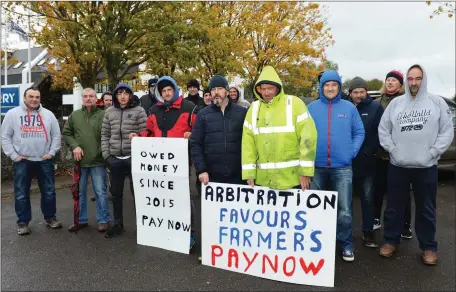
(423, 88)
(330, 75)
(269, 76)
(238, 93)
(158, 95)
(134, 100)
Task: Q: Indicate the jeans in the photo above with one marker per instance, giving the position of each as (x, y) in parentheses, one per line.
(119, 169)
(98, 175)
(338, 180)
(363, 184)
(424, 183)
(23, 172)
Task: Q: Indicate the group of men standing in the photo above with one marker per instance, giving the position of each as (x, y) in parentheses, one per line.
(277, 142)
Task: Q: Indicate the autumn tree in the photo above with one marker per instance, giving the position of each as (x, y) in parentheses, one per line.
(285, 35)
(448, 8)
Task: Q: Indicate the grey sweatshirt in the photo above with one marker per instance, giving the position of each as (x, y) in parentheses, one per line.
(30, 134)
(416, 131)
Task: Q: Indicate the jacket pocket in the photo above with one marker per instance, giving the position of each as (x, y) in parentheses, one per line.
(413, 155)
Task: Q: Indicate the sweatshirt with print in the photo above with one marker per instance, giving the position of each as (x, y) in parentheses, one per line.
(416, 131)
(30, 134)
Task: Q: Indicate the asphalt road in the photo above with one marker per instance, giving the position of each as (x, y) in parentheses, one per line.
(57, 260)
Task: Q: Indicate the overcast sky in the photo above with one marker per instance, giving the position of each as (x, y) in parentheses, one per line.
(372, 38)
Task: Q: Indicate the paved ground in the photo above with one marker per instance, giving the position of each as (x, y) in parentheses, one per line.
(57, 260)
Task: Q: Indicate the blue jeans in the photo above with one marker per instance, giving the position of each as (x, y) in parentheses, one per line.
(23, 172)
(338, 180)
(363, 183)
(98, 175)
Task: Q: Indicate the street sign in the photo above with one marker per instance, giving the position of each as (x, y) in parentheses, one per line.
(9, 98)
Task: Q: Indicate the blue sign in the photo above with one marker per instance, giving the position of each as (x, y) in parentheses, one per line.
(9, 98)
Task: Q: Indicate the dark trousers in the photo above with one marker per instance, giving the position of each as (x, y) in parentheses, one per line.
(380, 189)
(23, 172)
(363, 184)
(119, 168)
(424, 183)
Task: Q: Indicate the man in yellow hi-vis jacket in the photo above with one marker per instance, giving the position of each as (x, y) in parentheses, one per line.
(279, 138)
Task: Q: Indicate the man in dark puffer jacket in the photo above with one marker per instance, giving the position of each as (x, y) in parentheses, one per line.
(217, 136)
(123, 121)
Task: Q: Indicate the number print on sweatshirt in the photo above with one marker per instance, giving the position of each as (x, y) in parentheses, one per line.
(413, 120)
(31, 127)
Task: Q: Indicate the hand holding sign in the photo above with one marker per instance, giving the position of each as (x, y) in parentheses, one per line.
(204, 178)
(305, 182)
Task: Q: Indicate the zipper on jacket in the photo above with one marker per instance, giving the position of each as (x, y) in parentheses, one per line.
(224, 137)
(329, 132)
(120, 130)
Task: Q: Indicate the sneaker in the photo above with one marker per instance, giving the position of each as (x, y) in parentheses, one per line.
(54, 223)
(387, 250)
(369, 239)
(377, 224)
(103, 227)
(407, 233)
(73, 227)
(192, 241)
(429, 258)
(114, 230)
(22, 229)
(348, 256)
(200, 260)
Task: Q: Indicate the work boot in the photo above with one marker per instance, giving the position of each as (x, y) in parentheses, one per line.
(53, 223)
(22, 229)
(387, 250)
(429, 258)
(73, 227)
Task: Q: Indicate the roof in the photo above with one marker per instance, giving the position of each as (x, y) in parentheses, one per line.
(21, 56)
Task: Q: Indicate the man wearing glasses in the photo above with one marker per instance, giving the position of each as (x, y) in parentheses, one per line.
(123, 121)
(415, 130)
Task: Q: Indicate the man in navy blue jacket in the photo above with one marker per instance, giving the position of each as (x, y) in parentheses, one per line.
(364, 163)
(216, 137)
(340, 136)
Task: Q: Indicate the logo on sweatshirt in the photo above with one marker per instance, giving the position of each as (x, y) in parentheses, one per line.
(413, 120)
(343, 116)
(31, 127)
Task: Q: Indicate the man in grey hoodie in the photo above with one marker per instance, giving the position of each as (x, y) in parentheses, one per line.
(415, 130)
(31, 138)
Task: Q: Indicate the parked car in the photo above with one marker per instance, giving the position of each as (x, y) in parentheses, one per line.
(448, 159)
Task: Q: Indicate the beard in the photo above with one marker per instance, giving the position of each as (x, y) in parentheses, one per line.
(414, 90)
(218, 100)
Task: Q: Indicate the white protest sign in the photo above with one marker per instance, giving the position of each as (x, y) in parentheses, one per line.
(162, 194)
(287, 236)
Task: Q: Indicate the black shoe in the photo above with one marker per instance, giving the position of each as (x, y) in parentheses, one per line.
(73, 227)
(92, 199)
(369, 239)
(407, 232)
(114, 230)
(377, 224)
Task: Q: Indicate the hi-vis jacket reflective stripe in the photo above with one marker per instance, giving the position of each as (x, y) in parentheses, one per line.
(279, 138)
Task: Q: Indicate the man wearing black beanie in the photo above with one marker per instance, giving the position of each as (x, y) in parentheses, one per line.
(193, 88)
(148, 100)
